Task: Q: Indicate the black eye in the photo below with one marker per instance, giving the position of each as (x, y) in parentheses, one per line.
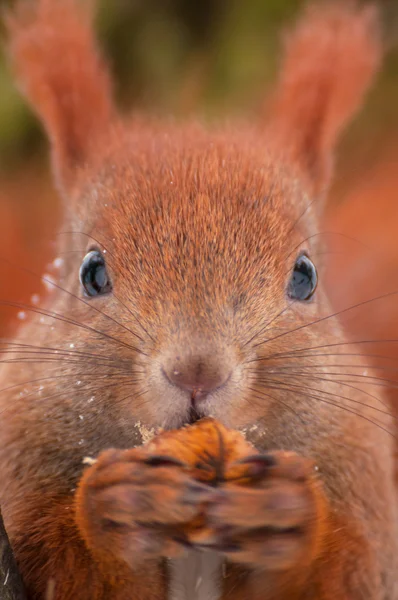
(304, 279)
(93, 275)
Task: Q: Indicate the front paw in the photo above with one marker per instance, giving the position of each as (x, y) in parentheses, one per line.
(272, 522)
(129, 505)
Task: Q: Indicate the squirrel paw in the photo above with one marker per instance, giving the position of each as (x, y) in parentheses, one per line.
(272, 523)
(130, 505)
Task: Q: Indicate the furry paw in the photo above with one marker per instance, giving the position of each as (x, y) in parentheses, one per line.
(270, 522)
(129, 505)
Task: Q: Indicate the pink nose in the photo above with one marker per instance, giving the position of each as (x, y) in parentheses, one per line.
(192, 381)
(198, 375)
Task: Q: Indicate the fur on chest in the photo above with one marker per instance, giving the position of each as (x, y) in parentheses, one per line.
(196, 576)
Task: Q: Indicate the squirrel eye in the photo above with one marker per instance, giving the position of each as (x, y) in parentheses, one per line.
(303, 280)
(93, 274)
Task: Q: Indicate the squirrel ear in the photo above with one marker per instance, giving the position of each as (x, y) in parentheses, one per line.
(56, 60)
(330, 60)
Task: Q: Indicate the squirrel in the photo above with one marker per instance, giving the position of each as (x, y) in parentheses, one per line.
(196, 295)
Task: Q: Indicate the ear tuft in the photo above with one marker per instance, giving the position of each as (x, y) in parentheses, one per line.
(330, 60)
(56, 60)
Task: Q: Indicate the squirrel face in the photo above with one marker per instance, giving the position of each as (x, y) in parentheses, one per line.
(200, 264)
(200, 260)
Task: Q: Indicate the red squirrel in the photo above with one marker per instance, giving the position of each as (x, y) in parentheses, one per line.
(194, 292)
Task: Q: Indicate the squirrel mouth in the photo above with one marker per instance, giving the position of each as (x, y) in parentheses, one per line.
(193, 415)
(195, 411)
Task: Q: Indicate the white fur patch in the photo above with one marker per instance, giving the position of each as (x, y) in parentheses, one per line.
(196, 576)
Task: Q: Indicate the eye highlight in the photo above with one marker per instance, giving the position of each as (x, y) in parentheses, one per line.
(93, 275)
(303, 280)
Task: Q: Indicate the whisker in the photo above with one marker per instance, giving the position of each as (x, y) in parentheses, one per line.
(335, 344)
(60, 357)
(114, 295)
(91, 237)
(72, 295)
(19, 347)
(297, 221)
(267, 325)
(322, 319)
(49, 360)
(69, 321)
(338, 382)
(346, 409)
(285, 309)
(292, 385)
(41, 379)
(252, 389)
(92, 389)
(135, 396)
(90, 305)
(348, 237)
(311, 366)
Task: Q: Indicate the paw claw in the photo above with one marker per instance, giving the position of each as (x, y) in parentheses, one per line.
(258, 465)
(163, 461)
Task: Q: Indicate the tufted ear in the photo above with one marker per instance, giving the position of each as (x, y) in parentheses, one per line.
(330, 60)
(54, 53)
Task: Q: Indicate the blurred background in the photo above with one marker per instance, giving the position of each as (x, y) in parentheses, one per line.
(219, 58)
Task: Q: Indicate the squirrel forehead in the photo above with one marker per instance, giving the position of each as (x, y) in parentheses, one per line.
(210, 213)
(214, 219)
(193, 179)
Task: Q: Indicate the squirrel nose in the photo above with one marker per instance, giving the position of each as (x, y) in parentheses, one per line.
(198, 375)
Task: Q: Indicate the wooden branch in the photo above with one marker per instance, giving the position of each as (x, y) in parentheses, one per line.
(11, 587)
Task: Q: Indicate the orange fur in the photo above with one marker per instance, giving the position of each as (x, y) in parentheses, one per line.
(201, 231)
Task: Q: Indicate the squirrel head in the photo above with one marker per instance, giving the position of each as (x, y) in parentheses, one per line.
(201, 255)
